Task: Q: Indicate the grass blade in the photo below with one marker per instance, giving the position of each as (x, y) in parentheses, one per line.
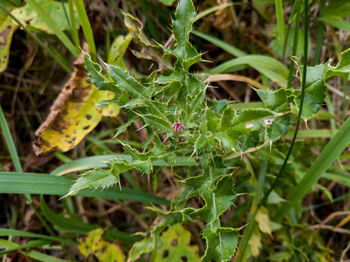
(266, 65)
(222, 44)
(32, 183)
(75, 225)
(280, 22)
(330, 153)
(32, 254)
(30, 244)
(211, 10)
(54, 27)
(87, 163)
(74, 29)
(57, 58)
(85, 23)
(9, 142)
(18, 233)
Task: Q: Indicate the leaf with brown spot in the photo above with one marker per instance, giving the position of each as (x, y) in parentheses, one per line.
(175, 246)
(74, 114)
(7, 28)
(103, 250)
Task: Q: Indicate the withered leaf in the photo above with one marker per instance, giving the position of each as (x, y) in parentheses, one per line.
(74, 113)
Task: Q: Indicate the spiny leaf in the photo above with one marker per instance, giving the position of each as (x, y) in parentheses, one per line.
(95, 179)
(251, 115)
(221, 243)
(158, 123)
(128, 83)
(279, 127)
(182, 26)
(275, 100)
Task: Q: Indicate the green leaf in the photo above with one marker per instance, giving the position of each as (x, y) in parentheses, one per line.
(223, 45)
(37, 256)
(97, 179)
(336, 13)
(251, 115)
(87, 163)
(158, 123)
(28, 245)
(182, 26)
(274, 100)
(279, 127)
(19, 233)
(127, 83)
(221, 243)
(31, 183)
(96, 76)
(342, 68)
(313, 100)
(47, 16)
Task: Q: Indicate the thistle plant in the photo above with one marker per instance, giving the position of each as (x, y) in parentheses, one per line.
(182, 123)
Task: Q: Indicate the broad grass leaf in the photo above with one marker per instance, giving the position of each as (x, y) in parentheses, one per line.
(7, 28)
(336, 13)
(74, 113)
(35, 255)
(268, 66)
(174, 245)
(105, 251)
(97, 179)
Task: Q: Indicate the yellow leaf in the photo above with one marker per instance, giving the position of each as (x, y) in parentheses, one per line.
(103, 250)
(7, 28)
(175, 246)
(255, 243)
(74, 113)
(262, 218)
